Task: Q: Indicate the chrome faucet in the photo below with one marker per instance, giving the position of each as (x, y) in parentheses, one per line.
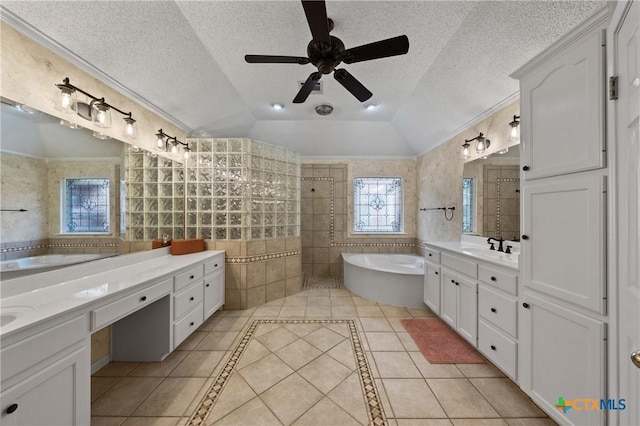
(499, 241)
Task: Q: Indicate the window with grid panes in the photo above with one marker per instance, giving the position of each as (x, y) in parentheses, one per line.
(85, 206)
(377, 205)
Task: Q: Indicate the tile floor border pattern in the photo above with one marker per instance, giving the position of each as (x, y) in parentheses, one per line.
(311, 281)
(369, 390)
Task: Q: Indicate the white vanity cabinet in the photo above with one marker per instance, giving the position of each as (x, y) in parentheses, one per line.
(565, 191)
(213, 285)
(432, 280)
(458, 300)
(45, 377)
(497, 317)
(188, 307)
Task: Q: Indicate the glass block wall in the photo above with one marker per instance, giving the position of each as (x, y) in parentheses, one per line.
(154, 196)
(233, 189)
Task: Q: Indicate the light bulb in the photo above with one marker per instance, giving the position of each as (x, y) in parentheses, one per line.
(130, 129)
(186, 153)
(514, 133)
(100, 115)
(465, 151)
(66, 100)
(174, 148)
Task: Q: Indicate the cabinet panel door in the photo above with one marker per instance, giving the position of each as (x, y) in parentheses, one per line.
(213, 293)
(449, 298)
(563, 111)
(432, 287)
(566, 358)
(564, 255)
(56, 395)
(467, 320)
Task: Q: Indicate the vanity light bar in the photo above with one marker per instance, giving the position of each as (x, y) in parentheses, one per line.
(171, 144)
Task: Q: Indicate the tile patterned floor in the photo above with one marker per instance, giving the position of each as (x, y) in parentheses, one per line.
(304, 360)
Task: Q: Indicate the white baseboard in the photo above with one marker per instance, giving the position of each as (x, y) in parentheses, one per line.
(100, 363)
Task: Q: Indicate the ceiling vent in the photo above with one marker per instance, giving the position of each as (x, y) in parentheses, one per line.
(323, 109)
(316, 90)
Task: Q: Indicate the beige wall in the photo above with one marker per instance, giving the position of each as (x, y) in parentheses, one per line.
(439, 176)
(23, 186)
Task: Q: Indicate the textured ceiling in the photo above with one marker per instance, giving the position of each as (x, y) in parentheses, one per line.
(185, 59)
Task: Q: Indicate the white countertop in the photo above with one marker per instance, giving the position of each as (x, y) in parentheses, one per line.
(479, 252)
(74, 287)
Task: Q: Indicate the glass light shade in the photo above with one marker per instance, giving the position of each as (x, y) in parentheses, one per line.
(514, 132)
(66, 100)
(187, 153)
(101, 135)
(465, 151)
(160, 141)
(174, 147)
(130, 128)
(482, 144)
(101, 115)
(69, 124)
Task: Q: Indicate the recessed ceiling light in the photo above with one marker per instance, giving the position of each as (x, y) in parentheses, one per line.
(277, 106)
(370, 107)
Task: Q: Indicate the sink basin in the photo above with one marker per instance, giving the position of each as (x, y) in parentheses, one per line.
(8, 314)
(6, 319)
(491, 254)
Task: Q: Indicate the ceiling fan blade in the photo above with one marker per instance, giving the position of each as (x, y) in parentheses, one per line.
(352, 85)
(307, 87)
(273, 59)
(379, 49)
(316, 12)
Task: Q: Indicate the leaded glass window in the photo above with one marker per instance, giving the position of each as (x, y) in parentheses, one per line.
(468, 219)
(377, 204)
(85, 206)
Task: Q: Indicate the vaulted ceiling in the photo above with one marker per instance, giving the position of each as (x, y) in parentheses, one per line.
(185, 61)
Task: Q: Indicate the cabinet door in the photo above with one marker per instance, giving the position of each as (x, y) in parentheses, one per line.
(448, 301)
(564, 352)
(563, 111)
(564, 252)
(432, 287)
(467, 309)
(213, 293)
(59, 394)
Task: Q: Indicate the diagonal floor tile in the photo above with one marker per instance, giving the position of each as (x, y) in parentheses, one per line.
(348, 395)
(298, 354)
(325, 413)
(343, 353)
(276, 339)
(254, 352)
(236, 393)
(291, 398)
(263, 374)
(252, 413)
(324, 373)
(324, 339)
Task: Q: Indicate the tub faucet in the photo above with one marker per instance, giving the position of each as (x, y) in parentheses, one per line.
(497, 240)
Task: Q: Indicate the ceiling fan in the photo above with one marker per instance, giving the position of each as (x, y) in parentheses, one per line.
(326, 52)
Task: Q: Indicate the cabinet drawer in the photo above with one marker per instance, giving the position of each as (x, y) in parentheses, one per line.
(184, 279)
(214, 265)
(460, 265)
(118, 309)
(187, 325)
(498, 278)
(500, 310)
(500, 349)
(187, 299)
(34, 349)
(432, 255)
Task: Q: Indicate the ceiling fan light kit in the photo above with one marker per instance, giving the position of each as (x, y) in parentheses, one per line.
(326, 52)
(323, 109)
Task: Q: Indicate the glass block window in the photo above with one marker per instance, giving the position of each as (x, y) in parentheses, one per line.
(468, 200)
(377, 205)
(85, 206)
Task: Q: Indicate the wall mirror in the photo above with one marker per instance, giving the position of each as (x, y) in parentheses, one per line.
(37, 153)
(491, 196)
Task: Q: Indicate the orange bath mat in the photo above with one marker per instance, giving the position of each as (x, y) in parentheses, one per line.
(439, 343)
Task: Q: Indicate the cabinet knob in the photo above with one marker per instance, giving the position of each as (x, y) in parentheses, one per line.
(525, 305)
(494, 310)
(12, 408)
(143, 298)
(453, 281)
(429, 254)
(436, 272)
(191, 324)
(525, 237)
(457, 283)
(215, 265)
(191, 277)
(493, 278)
(493, 348)
(525, 168)
(191, 298)
(206, 285)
